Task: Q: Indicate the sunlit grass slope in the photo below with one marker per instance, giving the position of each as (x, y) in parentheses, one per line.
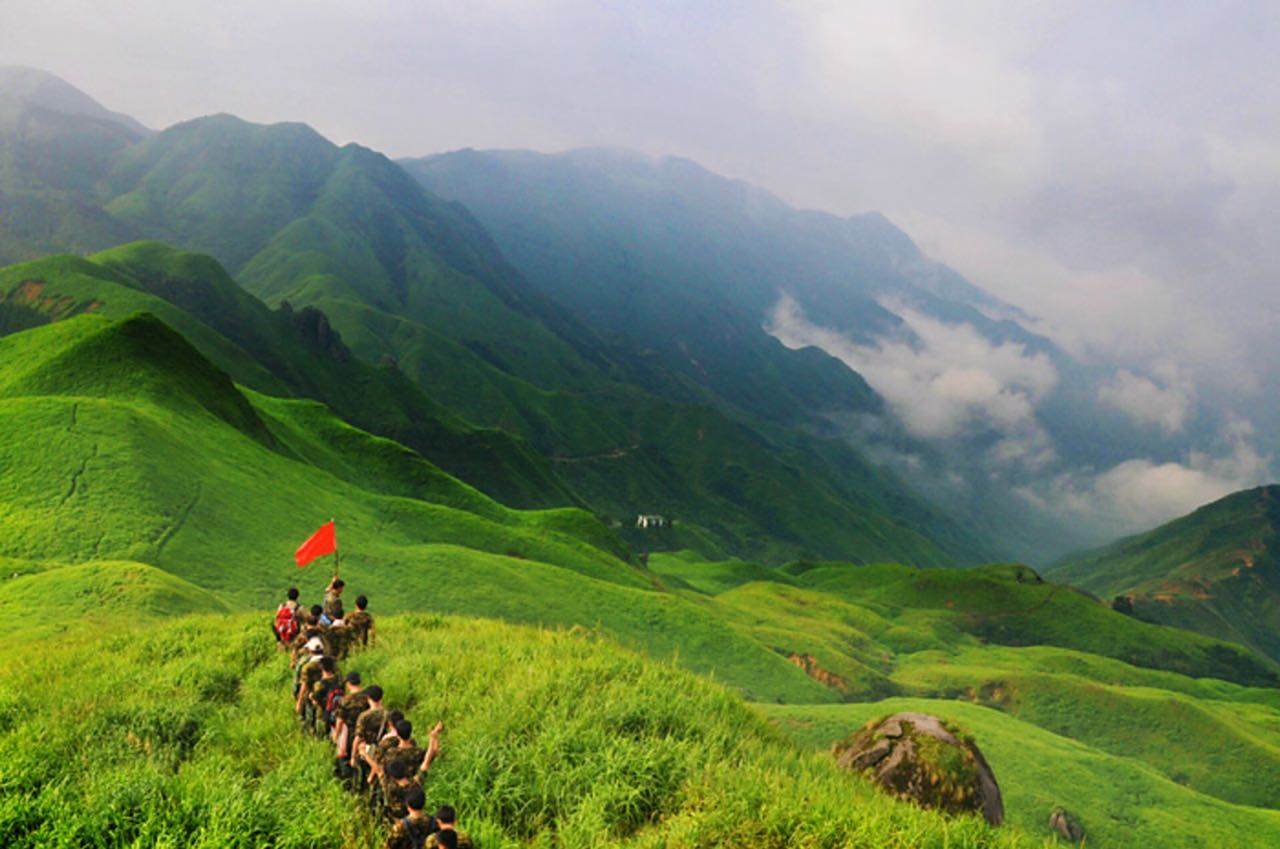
(121, 442)
(1119, 800)
(1216, 570)
(1068, 671)
(180, 734)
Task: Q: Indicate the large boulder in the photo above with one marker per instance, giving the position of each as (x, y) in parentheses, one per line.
(916, 756)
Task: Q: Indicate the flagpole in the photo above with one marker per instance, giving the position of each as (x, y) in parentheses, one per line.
(337, 557)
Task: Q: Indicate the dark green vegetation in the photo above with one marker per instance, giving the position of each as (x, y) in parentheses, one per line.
(414, 284)
(1216, 571)
(282, 352)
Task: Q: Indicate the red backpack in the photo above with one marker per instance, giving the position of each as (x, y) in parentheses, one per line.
(286, 625)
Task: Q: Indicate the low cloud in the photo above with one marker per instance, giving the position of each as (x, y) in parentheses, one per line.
(1145, 402)
(942, 380)
(1139, 494)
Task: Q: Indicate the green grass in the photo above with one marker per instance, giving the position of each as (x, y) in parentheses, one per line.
(278, 352)
(180, 735)
(1216, 570)
(1119, 800)
(217, 487)
(140, 480)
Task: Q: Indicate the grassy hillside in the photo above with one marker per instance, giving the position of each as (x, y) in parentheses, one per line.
(187, 729)
(281, 352)
(1118, 800)
(176, 467)
(1144, 706)
(1216, 571)
(140, 481)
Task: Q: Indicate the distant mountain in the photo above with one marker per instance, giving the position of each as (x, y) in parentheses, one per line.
(55, 144)
(25, 91)
(1216, 571)
(416, 283)
(668, 260)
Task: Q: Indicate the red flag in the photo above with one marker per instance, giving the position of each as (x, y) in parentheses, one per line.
(322, 542)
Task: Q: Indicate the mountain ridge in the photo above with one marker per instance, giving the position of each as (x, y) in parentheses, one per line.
(1215, 570)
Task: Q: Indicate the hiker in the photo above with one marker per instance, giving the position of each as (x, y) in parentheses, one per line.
(321, 691)
(337, 639)
(369, 728)
(306, 674)
(355, 701)
(399, 745)
(333, 598)
(361, 622)
(286, 625)
(413, 829)
(447, 834)
(397, 783)
(311, 630)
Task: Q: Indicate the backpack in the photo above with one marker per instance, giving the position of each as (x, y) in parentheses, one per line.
(331, 701)
(417, 839)
(286, 625)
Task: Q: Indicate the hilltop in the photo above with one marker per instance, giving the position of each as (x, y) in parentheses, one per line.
(1216, 570)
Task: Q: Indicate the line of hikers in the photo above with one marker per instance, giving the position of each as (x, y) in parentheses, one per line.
(375, 751)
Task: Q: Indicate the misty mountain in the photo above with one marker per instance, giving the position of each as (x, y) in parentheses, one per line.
(415, 282)
(985, 413)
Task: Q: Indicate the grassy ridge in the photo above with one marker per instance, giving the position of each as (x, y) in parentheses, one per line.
(278, 352)
(1216, 570)
(187, 728)
(1067, 672)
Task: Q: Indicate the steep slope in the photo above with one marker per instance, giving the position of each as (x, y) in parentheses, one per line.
(297, 218)
(1216, 571)
(667, 274)
(280, 352)
(680, 265)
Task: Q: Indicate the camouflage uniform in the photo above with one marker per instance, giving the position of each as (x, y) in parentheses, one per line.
(360, 623)
(411, 756)
(393, 795)
(320, 696)
(411, 832)
(332, 605)
(337, 639)
(308, 674)
(433, 842)
(370, 725)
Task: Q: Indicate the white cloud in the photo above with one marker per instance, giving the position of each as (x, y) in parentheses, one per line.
(1150, 404)
(942, 380)
(1139, 494)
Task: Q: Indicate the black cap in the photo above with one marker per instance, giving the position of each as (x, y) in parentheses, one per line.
(353, 677)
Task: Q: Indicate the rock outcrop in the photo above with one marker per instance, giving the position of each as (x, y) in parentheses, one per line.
(916, 756)
(1066, 826)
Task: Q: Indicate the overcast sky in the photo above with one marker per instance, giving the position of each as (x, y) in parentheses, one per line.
(1113, 167)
